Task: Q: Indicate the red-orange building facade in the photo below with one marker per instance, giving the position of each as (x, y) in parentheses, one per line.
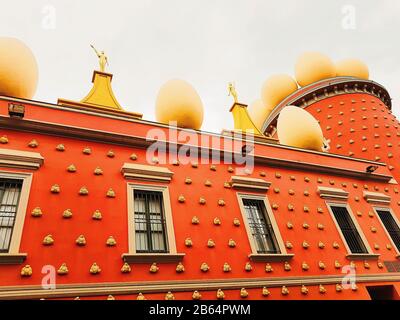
(297, 185)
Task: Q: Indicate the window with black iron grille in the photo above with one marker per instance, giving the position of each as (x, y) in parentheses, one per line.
(10, 191)
(391, 225)
(260, 226)
(150, 225)
(349, 230)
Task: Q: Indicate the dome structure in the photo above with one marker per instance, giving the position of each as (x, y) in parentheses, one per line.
(276, 88)
(298, 128)
(258, 112)
(18, 69)
(178, 101)
(352, 68)
(312, 67)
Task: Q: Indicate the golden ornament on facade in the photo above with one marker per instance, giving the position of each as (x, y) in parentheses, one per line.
(80, 241)
(320, 210)
(33, 144)
(262, 174)
(337, 264)
(236, 222)
(67, 214)
(97, 215)
(306, 225)
(154, 268)
(217, 221)
(48, 240)
(305, 266)
(248, 267)
(111, 242)
(321, 245)
(195, 220)
(110, 154)
(140, 296)
(221, 202)
(289, 245)
(188, 181)
(133, 156)
(305, 245)
(338, 288)
(353, 265)
(71, 168)
(196, 295)
(94, 269)
(373, 229)
(289, 225)
(55, 188)
(26, 271)
(226, 267)
(268, 268)
(285, 291)
(322, 289)
(110, 193)
(306, 209)
(366, 265)
(37, 212)
(169, 296)
(389, 246)
(204, 267)
(180, 268)
(202, 200)
(195, 165)
(110, 297)
(155, 160)
(83, 191)
(304, 290)
(380, 264)
(208, 183)
(220, 294)
(227, 185)
(265, 292)
(3, 140)
(320, 226)
(359, 213)
(87, 150)
(290, 207)
(287, 266)
(181, 198)
(210, 243)
(321, 265)
(231, 243)
(98, 171)
(243, 293)
(188, 242)
(277, 190)
(275, 206)
(213, 167)
(370, 214)
(291, 192)
(335, 245)
(306, 179)
(60, 147)
(63, 270)
(126, 268)
(376, 246)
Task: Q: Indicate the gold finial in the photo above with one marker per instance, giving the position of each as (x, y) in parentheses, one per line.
(103, 60)
(232, 91)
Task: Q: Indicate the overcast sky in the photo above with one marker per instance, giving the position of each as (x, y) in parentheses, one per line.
(207, 43)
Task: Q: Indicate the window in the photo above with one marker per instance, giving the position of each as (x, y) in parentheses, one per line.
(391, 225)
(260, 226)
(10, 191)
(348, 229)
(149, 222)
(264, 237)
(151, 236)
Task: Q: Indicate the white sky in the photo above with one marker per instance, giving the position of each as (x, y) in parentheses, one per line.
(207, 43)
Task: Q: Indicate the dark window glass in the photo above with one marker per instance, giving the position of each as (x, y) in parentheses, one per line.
(150, 229)
(390, 225)
(349, 230)
(10, 191)
(260, 226)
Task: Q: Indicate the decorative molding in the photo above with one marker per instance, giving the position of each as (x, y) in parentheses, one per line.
(362, 256)
(20, 159)
(124, 288)
(376, 197)
(12, 258)
(332, 193)
(146, 173)
(255, 184)
(153, 257)
(257, 257)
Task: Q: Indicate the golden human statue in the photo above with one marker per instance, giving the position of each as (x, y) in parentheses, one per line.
(232, 91)
(103, 61)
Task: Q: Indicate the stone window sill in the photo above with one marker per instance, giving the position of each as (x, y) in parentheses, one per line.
(257, 257)
(152, 257)
(12, 258)
(363, 256)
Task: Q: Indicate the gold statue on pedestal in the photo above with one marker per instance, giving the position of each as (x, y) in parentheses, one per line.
(103, 61)
(232, 91)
